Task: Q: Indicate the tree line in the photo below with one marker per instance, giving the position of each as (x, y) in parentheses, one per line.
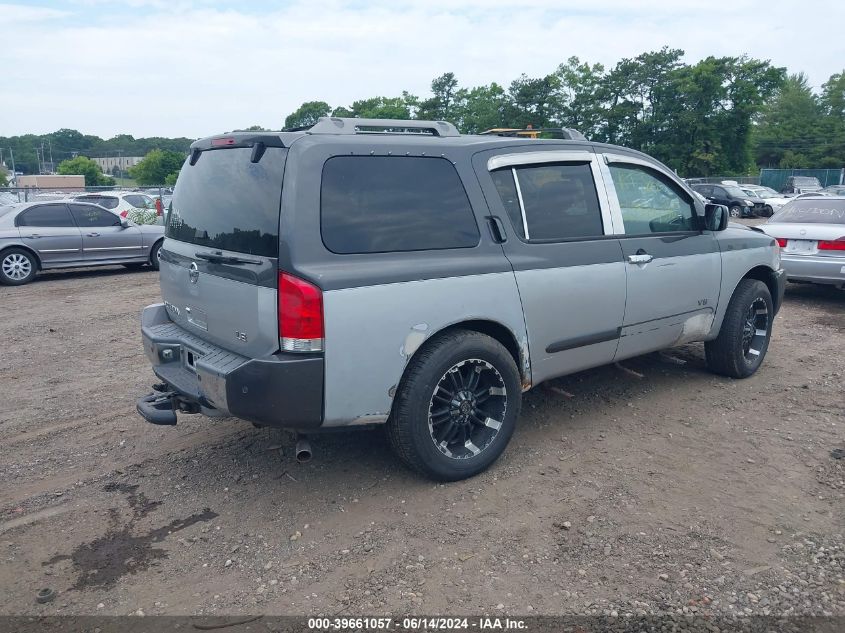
(719, 116)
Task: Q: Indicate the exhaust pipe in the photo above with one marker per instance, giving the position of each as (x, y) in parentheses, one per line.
(303, 450)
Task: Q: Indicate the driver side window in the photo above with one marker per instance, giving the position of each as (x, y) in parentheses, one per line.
(650, 202)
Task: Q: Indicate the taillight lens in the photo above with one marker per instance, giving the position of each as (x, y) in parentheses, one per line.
(159, 207)
(832, 245)
(781, 241)
(300, 315)
(222, 142)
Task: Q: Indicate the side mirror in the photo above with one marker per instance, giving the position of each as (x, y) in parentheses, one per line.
(715, 217)
(125, 223)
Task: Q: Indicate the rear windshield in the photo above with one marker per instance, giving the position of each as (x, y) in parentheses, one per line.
(812, 211)
(805, 180)
(109, 202)
(225, 201)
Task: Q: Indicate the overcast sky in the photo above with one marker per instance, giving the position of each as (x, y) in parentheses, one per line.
(198, 67)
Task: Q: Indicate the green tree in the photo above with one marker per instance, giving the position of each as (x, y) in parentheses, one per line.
(380, 108)
(307, 114)
(170, 179)
(442, 104)
(789, 127)
(4, 181)
(84, 166)
(156, 167)
(532, 101)
(579, 99)
(481, 108)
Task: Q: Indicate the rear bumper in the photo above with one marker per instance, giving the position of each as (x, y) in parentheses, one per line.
(283, 390)
(823, 270)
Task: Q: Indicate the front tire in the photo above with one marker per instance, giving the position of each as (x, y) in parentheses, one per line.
(17, 267)
(735, 211)
(456, 407)
(744, 338)
(154, 262)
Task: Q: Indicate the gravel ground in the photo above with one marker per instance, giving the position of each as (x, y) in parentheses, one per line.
(657, 488)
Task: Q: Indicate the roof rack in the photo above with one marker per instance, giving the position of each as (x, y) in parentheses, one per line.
(339, 125)
(566, 133)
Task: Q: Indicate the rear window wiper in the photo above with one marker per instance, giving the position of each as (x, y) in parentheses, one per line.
(220, 258)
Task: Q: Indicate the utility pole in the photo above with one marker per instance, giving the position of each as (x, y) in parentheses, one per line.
(14, 172)
(119, 167)
(38, 157)
(52, 164)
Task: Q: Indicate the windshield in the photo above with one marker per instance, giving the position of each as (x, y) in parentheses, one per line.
(811, 211)
(225, 201)
(751, 193)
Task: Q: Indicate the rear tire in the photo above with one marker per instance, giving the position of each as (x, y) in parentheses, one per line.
(744, 338)
(768, 211)
(154, 255)
(17, 267)
(456, 406)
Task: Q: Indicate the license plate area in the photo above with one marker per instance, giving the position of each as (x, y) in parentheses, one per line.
(801, 247)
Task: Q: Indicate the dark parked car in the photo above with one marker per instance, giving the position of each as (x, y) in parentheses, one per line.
(801, 184)
(735, 199)
(834, 190)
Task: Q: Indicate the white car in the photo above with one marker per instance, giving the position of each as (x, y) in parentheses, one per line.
(138, 207)
(772, 200)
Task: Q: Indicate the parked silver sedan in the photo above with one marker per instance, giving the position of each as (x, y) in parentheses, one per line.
(67, 234)
(811, 234)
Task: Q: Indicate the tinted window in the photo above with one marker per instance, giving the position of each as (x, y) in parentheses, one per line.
(140, 202)
(382, 204)
(109, 202)
(812, 211)
(87, 215)
(560, 201)
(503, 179)
(225, 201)
(46, 215)
(736, 192)
(651, 202)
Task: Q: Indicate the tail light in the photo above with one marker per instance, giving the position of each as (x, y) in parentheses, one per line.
(832, 245)
(300, 315)
(781, 241)
(124, 213)
(159, 207)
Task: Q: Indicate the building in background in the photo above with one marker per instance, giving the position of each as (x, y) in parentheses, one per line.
(122, 163)
(68, 183)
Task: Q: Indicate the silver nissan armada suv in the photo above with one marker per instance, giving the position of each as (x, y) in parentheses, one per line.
(398, 273)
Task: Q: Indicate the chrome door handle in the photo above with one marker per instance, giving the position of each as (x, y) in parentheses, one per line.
(34, 236)
(639, 258)
(92, 235)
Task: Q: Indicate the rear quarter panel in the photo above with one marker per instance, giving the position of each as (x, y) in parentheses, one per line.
(373, 332)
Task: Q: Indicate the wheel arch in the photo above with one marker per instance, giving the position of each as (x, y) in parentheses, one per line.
(496, 331)
(23, 247)
(768, 277)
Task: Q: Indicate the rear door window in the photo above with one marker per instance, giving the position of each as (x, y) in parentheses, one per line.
(88, 215)
(225, 201)
(46, 215)
(559, 201)
(379, 204)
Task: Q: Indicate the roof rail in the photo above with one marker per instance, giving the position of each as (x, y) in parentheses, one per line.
(566, 133)
(342, 125)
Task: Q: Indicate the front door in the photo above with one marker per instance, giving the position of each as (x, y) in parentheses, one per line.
(673, 267)
(103, 236)
(567, 263)
(49, 230)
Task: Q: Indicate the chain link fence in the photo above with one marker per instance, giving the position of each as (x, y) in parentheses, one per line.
(15, 195)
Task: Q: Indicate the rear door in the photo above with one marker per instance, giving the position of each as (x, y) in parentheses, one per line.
(567, 262)
(103, 236)
(673, 267)
(219, 261)
(50, 230)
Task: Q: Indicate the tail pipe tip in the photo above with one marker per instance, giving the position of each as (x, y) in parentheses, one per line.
(303, 451)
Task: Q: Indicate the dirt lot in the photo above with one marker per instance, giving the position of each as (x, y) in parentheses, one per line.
(677, 490)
